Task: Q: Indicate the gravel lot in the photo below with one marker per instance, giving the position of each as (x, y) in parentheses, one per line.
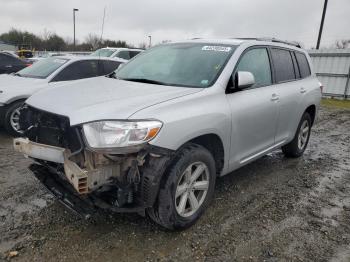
(275, 209)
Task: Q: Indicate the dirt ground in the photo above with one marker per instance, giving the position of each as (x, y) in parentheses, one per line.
(275, 209)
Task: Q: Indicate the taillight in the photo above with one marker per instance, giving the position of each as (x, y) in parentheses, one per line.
(321, 86)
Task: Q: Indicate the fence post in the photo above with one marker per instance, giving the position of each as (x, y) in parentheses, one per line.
(347, 85)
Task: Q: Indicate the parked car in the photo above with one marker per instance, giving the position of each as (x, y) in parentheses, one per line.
(10, 63)
(14, 89)
(173, 120)
(118, 52)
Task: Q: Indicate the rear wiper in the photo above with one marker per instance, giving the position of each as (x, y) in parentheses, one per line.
(144, 80)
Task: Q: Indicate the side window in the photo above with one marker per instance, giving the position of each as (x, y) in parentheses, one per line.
(6, 59)
(123, 54)
(283, 65)
(133, 53)
(303, 64)
(257, 62)
(296, 67)
(110, 66)
(78, 70)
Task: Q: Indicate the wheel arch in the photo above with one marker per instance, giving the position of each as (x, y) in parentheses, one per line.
(213, 143)
(311, 109)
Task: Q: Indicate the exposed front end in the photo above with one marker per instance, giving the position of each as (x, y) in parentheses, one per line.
(84, 178)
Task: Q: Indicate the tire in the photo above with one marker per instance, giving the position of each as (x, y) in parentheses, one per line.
(9, 117)
(167, 210)
(294, 149)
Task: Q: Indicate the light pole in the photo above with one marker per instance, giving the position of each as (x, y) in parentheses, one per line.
(321, 25)
(74, 10)
(150, 41)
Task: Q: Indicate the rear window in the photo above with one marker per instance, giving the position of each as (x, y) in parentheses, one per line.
(303, 65)
(283, 65)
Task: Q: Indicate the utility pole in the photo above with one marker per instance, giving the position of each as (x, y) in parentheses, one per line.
(150, 41)
(321, 25)
(74, 10)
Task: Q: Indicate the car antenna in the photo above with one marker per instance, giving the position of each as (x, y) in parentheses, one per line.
(102, 28)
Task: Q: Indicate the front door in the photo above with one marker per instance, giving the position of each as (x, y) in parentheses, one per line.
(254, 110)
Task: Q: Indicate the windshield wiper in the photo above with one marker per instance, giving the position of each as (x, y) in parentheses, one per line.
(17, 74)
(144, 80)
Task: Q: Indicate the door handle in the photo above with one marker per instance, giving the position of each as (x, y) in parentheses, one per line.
(8, 66)
(302, 90)
(275, 97)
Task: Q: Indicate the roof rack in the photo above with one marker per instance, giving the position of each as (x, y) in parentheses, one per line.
(271, 39)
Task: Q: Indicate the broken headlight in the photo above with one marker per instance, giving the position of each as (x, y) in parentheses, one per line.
(111, 134)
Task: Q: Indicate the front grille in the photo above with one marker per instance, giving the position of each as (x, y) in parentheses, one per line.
(50, 129)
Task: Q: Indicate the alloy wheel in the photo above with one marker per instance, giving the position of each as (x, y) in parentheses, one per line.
(192, 189)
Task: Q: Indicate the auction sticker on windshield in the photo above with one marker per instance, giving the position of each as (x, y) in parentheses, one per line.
(216, 48)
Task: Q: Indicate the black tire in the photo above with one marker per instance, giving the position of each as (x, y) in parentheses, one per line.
(164, 211)
(293, 149)
(7, 121)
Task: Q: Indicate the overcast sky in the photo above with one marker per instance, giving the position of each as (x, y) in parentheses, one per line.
(133, 21)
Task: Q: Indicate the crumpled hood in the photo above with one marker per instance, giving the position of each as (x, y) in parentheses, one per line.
(19, 87)
(103, 98)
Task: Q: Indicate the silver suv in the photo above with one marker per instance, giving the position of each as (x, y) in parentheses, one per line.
(153, 137)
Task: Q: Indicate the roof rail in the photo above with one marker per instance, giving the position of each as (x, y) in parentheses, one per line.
(271, 39)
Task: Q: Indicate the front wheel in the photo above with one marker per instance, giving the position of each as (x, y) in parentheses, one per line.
(298, 145)
(12, 115)
(187, 189)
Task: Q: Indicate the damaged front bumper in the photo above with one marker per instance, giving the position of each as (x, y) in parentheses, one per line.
(90, 181)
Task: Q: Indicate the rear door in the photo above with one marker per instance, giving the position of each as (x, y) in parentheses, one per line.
(289, 92)
(253, 110)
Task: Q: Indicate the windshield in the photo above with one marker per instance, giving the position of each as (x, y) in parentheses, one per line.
(42, 68)
(184, 64)
(103, 52)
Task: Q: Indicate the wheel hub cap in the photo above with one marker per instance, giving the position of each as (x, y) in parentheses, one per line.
(192, 189)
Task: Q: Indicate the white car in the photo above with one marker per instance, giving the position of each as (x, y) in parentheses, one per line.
(117, 52)
(16, 88)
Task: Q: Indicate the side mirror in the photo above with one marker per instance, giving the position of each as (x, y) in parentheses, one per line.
(243, 79)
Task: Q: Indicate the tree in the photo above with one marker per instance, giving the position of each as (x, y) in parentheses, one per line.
(342, 44)
(93, 40)
(50, 41)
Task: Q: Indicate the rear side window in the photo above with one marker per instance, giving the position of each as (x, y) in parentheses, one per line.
(110, 66)
(133, 53)
(7, 59)
(79, 70)
(303, 65)
(283, 65)
(257, 62)
(123, 54)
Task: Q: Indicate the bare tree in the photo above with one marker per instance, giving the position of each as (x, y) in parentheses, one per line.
(93, 40)
(142, 45)
(342, 44)
(46, 34)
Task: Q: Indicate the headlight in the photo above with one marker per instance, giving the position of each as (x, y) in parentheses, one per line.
(111, 134)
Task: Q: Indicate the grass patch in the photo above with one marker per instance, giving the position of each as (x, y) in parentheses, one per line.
(335, 103)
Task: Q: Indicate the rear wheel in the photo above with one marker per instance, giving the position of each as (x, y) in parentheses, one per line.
(187, 189)
(298, 145)
(11, 122)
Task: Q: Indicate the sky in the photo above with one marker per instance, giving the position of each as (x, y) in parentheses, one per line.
(134, 21)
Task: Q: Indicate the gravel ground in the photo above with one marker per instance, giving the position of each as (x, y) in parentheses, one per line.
(275, 209)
